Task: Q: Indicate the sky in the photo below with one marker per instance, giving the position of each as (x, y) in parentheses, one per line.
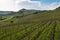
(15, 5)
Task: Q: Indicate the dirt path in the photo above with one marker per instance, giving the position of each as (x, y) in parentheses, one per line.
(7, 19)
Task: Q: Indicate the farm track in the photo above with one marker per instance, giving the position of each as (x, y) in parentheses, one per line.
(39, 33)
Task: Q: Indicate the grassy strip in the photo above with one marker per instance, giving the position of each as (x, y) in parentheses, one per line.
(46, 31)
(57, 31)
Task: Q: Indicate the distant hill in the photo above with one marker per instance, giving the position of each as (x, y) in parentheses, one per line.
(24, 12)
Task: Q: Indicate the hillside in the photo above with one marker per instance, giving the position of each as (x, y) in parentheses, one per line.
(47, 15)
(40, 25)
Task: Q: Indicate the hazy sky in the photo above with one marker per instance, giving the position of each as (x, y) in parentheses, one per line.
(15, 5)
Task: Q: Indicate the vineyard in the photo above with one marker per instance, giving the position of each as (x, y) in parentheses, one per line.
(44, 26)
(44, 30)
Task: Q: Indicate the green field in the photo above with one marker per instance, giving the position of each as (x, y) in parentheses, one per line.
(40, 26)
